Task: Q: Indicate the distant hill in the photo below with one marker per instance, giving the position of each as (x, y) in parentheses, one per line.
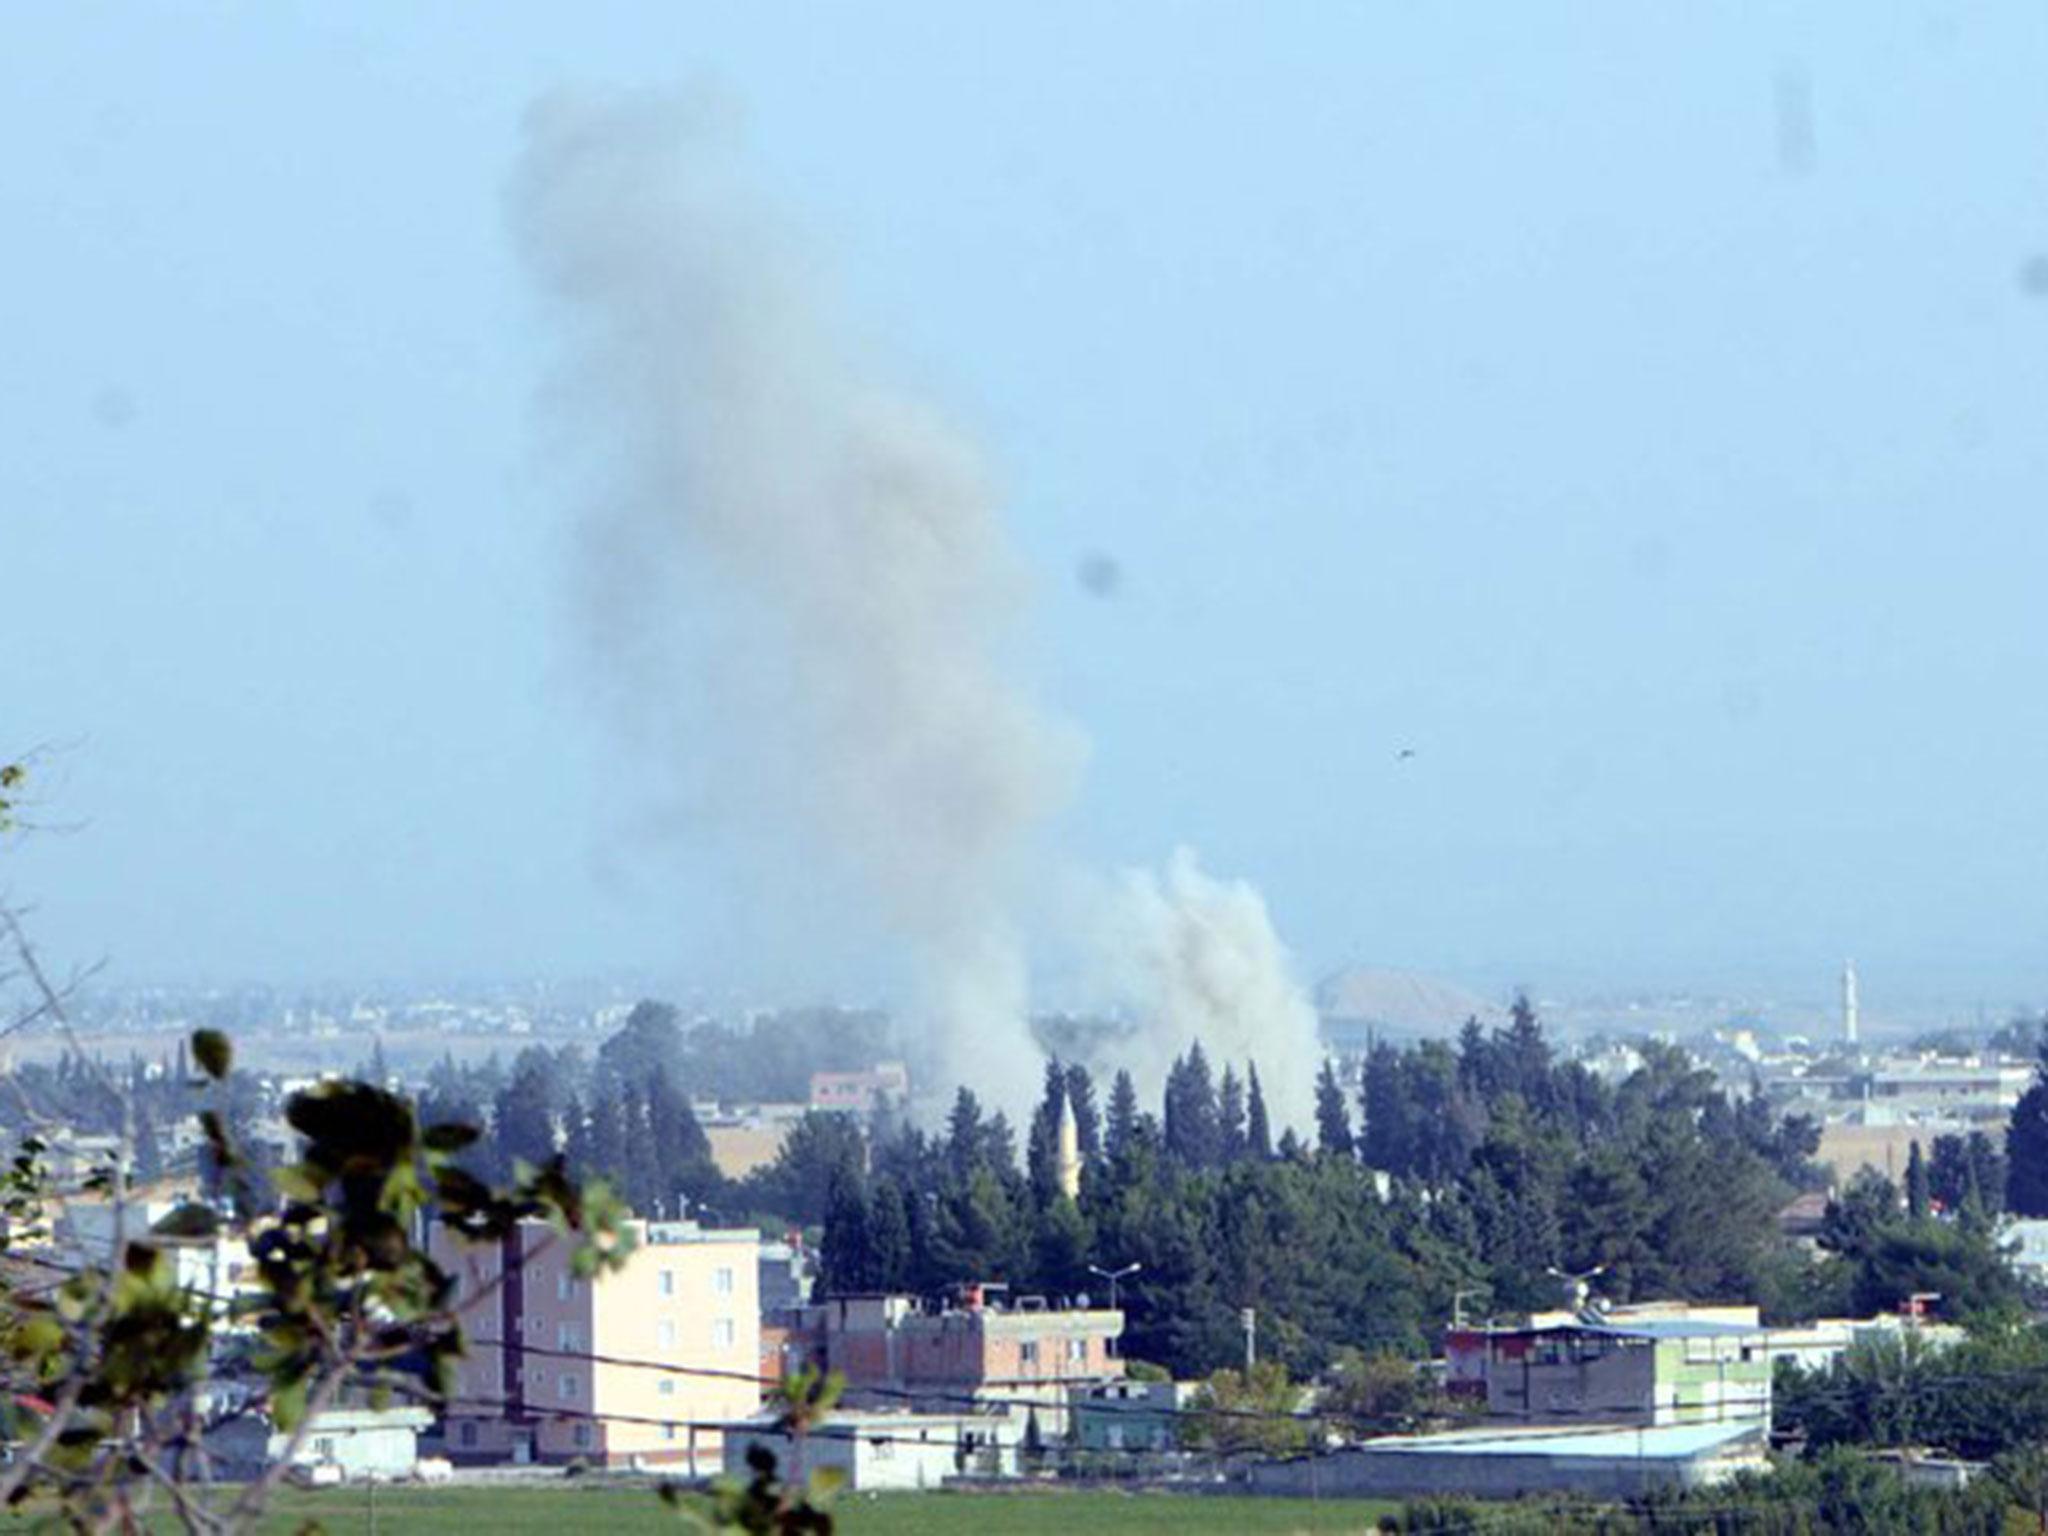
(1362, 1000)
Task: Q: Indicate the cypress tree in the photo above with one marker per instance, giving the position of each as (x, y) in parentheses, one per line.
(1918, 1201)
(1123, 1115)
(1230, 1113)
(1087, 1117)
(1333, 1115)
(889, 1240)
(1194, 1131)
(1258, 1134)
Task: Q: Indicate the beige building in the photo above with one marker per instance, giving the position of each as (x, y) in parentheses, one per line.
(638, 1366)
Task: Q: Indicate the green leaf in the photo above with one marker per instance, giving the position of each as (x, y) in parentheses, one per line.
(288, 1405)
(450, 1138)
(210, 1048)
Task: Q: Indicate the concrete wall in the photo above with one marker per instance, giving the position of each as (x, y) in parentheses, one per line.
(1424, 1474)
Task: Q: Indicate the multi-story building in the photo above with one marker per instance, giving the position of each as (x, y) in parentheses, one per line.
(641, 1365)
(1024, 1358)
(1691, 1368)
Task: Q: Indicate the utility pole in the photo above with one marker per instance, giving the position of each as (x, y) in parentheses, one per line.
(1250, 1317)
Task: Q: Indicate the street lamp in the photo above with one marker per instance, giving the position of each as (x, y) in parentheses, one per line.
(1113, 1276)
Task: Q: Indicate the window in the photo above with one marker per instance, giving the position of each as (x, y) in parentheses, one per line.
(467, 1433)
(668, 1282)
(1027, 1352)
(323, 1447)
(667, 1387)
(723, 1333)
(582, 1437)
(668, 1431)
(568, 1336)
(665, 1334)
(563, 1286)
(721, 1281)
(1077, 1351)
(567, 1385)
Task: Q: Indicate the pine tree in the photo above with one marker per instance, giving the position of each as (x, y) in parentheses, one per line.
(1194, 1131)
(1123, 1115)
(2026, 1152)
(684, 1170)
(608, 1120)
(847, 1265)
(1230, 1115)
(525, 1120)
(576, 1138)
(1333, 1115)
(1387, 1136)
(641, 1171)
(1041, 1153)
(966, 1143)
(1258, 1133)
(1475, 1059)
(1087, 1118)
(889, 1237)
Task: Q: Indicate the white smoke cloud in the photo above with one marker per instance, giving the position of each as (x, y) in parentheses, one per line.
(1197, 958)
(785, 555)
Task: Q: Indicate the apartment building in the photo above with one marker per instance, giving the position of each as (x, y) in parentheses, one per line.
(637, 1367)
(1651, 1366)
(1022, 1357)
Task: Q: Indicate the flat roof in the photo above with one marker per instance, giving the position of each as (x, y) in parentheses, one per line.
(1654, 1443)
(1646, 1328)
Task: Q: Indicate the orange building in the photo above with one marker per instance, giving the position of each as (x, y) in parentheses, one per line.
(895, 1351)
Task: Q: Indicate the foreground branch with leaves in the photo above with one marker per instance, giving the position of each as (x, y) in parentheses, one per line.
(116, 1373)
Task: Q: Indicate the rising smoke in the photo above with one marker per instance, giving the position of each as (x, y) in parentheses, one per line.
(775, 530)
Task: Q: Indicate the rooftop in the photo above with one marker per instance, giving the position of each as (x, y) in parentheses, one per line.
(1663, 1442)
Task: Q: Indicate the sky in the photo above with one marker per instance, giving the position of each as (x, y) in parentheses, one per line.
(1637, 412)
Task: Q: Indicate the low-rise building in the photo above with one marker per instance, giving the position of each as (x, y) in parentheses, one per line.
(874, 1450)
(1130, 1415)
(360, 1444)
(1600, 1462)
(883, 1086)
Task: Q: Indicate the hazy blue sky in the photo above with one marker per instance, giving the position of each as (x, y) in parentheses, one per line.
(1640, 411)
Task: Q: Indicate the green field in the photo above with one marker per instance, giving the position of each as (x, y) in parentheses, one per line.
(553, 1511)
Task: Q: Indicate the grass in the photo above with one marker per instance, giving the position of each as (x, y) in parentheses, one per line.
(557, 1511)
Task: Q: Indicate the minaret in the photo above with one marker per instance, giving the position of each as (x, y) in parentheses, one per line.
(1849, 1001)
(1068, 1162)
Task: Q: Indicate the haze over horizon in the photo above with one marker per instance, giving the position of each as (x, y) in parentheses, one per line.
(1644, 435)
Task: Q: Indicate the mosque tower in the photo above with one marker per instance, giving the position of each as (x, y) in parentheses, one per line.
(1068, 1162)
(1849, 1002)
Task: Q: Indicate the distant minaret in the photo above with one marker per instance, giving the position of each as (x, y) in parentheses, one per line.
(1849, 1001)
(1069, 1158)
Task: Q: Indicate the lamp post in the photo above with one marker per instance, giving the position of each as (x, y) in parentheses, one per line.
(1113, 1276)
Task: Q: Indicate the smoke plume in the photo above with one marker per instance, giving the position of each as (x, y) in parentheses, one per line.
(1197, 958)
(783, 554)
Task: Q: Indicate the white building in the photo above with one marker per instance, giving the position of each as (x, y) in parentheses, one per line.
(876, 1451)
(361, 1444)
